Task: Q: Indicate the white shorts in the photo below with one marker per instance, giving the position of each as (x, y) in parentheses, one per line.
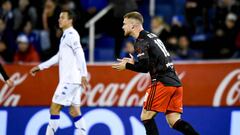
(68, 94)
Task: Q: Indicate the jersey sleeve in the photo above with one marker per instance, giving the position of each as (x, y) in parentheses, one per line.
(4, 74)
(143, 59)
(79, 53)
(50, 62)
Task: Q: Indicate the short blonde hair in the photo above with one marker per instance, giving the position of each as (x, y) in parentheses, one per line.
(134, 15)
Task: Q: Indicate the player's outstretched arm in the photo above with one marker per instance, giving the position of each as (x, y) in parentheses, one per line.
(8, 81)
(3, 72)
(44, 65)
(121, 65)
(143, 60)
(129, 60)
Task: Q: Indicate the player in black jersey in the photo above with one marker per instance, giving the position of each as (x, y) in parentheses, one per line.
(5, 76)
(165, 93)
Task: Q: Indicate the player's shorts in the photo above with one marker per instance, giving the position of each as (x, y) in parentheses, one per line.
(68, 94)
(162, 98)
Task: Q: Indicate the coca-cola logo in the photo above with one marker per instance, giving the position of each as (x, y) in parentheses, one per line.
(120, 94)
(228, 92)
(7, 97)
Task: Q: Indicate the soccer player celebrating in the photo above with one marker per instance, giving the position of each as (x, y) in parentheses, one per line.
(165, 93)
(72, 74)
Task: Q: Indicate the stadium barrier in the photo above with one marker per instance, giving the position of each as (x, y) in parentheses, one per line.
(205, 84)
(112, 103)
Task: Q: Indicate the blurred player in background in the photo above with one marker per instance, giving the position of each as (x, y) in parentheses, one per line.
(5, 76)
(72, 74)
(165, 93)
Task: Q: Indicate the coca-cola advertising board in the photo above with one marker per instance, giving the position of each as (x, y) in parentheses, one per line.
(211, 83)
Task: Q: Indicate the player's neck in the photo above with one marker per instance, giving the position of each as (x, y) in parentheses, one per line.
(136, 32)
(66, 27)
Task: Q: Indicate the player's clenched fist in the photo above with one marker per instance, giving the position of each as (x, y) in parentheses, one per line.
(34, 70)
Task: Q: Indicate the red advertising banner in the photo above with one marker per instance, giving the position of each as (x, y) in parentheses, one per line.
(212, 83)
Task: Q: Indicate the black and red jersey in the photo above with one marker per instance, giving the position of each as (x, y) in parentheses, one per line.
(155, 59)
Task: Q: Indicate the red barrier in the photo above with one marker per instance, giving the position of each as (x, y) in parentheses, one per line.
(214, 83)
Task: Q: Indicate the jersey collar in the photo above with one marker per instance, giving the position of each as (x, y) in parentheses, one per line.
(141, 35)
(68, 30)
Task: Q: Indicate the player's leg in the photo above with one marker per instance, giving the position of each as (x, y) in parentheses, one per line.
(54, 119)
(156, 100)
(173, 114)
(147, 117)
(58, 100)
(79, 121)
(174, 120)
(75, 111)
(172, 117)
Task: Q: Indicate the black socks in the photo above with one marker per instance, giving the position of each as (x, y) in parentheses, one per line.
(151, 127)
(184, 127)
(180, 125)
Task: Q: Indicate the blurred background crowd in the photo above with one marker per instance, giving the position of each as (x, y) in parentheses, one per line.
(190, 29)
